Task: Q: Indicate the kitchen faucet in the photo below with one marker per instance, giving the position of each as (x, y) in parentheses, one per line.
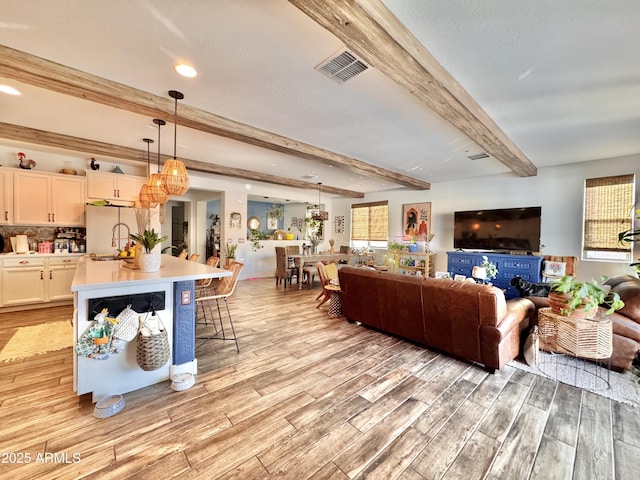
(114, 238)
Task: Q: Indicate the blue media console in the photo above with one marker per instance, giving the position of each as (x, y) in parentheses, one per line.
(528, 267)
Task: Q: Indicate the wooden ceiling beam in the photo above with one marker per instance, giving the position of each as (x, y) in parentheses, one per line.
(370, 30)
(95, 148)
(43, 73)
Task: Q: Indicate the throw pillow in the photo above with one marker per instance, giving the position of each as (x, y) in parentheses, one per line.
(554, 269)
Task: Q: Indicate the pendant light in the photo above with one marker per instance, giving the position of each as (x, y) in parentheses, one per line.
(319, 214)
(145, 195)
(175, 180)
(156, 192)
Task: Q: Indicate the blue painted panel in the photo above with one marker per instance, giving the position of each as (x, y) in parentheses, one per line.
(184, 323)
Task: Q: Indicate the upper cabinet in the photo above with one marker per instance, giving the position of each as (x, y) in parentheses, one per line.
(48, 199)
(6, 196)
(114, 186)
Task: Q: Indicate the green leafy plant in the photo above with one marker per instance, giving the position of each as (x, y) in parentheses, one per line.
(628, 236)
(276, 210)
(230, 250)
(588, 295)
(148, 239)
(396, 246)
(255, 237)
(490, 267)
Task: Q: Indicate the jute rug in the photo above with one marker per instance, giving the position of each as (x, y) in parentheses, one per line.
(37, 339)
(622, 387)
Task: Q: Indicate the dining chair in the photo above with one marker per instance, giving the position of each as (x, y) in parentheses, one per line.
(283, 272)
(183, 254)
(203, 286)
(222, 292)
(194, 257)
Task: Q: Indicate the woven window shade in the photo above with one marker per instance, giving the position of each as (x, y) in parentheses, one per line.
(370, 221)
(608, 203)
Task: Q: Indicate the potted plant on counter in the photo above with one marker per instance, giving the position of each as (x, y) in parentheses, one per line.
(149, 239)
(574, 298)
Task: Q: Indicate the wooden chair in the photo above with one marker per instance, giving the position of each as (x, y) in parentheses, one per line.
(223, 290)
(570, 263)
(194, 257)
(183, 254)
(330, 273)
(325, 295)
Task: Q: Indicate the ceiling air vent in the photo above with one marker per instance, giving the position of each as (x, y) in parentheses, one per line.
(478, 156)
(342, 66)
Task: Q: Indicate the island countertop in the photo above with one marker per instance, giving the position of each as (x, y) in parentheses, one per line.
(92, 274)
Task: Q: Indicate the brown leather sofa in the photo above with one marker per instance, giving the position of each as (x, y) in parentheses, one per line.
(467, 320)
(626, 321)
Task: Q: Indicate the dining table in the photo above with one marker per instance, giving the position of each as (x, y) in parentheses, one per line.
(302, 260)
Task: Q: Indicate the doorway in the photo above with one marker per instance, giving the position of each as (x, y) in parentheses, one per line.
(179, 229)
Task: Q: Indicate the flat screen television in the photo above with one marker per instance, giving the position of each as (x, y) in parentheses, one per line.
(504, 229)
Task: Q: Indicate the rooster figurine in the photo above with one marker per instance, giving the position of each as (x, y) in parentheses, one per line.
(94, 165)
(26, 164)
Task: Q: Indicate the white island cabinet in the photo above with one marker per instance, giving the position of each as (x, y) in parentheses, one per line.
(107, 283)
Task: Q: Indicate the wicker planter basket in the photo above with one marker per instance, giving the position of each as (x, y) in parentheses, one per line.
(582, 337)
(153, 350)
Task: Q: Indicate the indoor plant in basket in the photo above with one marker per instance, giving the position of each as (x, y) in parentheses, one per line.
(149, 261)
(574, 298)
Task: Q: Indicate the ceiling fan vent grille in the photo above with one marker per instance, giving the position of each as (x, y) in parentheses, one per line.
(342, 66)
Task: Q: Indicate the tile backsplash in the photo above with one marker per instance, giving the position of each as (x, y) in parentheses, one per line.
(38, 234)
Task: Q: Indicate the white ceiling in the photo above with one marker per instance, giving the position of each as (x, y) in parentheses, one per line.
(561, 79)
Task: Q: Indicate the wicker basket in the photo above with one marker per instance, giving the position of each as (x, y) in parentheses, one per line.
(581, 337)
(153, 351)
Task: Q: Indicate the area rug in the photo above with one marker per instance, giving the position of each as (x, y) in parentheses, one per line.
(37, 339)
(622, 387)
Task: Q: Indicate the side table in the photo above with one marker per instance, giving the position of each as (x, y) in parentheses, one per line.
(335, 304)
(572, 339)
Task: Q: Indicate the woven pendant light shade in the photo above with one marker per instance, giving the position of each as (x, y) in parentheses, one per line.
(175, 180)
(155, 189)
(144, 197)
(154, 184)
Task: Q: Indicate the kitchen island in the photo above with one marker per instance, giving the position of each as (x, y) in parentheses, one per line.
(169, 292)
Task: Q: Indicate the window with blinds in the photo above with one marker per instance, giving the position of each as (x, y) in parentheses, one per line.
(608, 205)
(370, 222)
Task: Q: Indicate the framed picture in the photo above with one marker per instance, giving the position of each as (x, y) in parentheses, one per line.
(442, 275)
(416, 220)
(459, 277)
(272, 223)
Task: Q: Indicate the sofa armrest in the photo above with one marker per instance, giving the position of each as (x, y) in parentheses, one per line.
(518, 309)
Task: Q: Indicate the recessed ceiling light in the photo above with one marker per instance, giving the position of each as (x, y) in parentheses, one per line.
(185, 70)
(9, 90)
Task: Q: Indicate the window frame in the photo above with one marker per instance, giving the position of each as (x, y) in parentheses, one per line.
(370, 242)
(613, 210)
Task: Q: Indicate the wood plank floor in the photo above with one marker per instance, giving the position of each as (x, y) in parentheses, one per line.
(310, 396)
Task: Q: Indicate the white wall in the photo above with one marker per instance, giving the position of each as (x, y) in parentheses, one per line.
(559, 190)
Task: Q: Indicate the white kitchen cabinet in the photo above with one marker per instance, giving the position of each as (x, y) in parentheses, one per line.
(33, 279)
(60, 274)
(48, 199)
(114, 186)
(6, 196)
(23, 281)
